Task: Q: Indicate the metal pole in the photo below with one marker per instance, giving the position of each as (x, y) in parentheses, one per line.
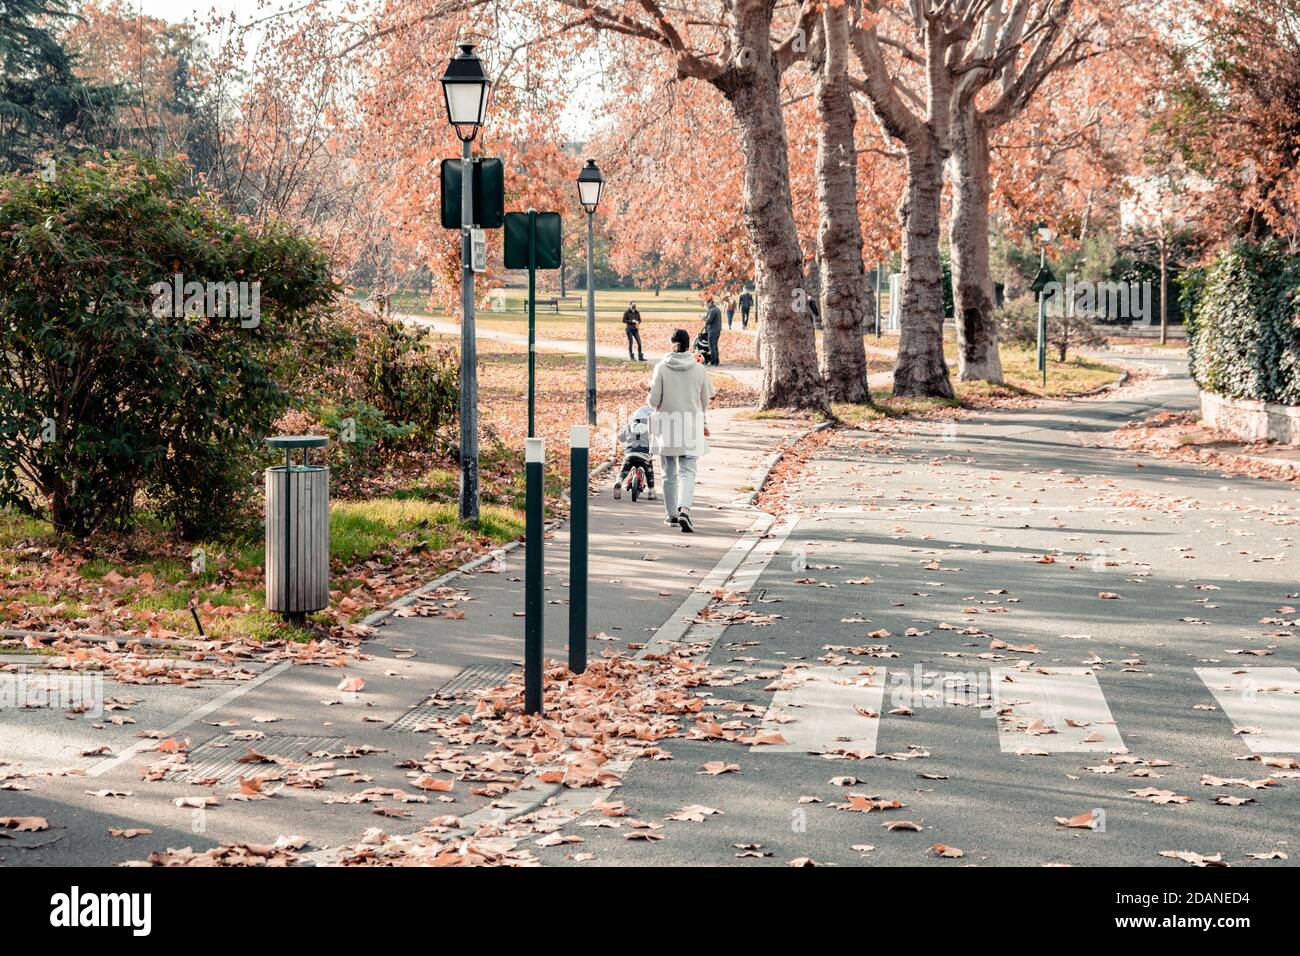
(534, 575)
(1042, 319)
(880, 267)
(469, 511)
(579, 443)
(532, 319)
(591, 325)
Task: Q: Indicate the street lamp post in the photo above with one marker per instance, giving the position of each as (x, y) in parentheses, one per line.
(590, 184)
(465, 88)
(1044, 237)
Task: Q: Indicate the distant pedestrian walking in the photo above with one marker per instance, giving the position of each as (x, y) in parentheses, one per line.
(679, 394)
(632, 323)
(730, 304)
(713, 326)
(746, 303)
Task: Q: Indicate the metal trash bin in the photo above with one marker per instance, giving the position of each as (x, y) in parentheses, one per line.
(297, 530)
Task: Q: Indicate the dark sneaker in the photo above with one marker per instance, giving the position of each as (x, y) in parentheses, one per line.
(684, 519)
(670, 520)
(618, 490)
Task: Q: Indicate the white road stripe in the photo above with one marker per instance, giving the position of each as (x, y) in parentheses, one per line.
(824, 707)
(239, 690)
(737, 570)
(1068, 701)
(1266, 699)
(752, 568)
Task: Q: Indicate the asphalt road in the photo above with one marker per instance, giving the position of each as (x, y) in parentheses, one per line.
(1096, 696)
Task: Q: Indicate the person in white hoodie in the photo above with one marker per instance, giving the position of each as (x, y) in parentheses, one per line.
(679, 395)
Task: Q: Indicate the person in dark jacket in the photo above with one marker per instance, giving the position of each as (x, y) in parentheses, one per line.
(632, 323)
(746, 303)
(713, 326)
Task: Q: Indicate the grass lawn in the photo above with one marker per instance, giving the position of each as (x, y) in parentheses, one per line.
(1077, 375)
(671, 309)
(142, 582)
(507, 306)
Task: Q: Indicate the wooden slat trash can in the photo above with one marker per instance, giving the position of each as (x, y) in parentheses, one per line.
(297, 530)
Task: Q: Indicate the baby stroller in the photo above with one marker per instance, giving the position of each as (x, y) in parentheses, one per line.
(701, 347)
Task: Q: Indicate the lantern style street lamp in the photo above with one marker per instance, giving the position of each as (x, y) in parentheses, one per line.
(590, 185)
(465, 89)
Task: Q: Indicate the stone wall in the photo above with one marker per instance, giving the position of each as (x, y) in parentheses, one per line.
(1251, 420)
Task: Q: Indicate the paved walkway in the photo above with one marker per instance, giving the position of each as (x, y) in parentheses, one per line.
(85, 775)
(748, 373)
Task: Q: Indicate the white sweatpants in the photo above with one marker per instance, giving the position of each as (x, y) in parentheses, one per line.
(679, 482)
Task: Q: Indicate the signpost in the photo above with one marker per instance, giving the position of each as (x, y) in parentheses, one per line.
(487, 195)
(472, 211)
(880, 268)
(533, 241)
(465, 91)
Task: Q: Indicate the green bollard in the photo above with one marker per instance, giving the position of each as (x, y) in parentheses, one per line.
(579, 454)
(534, 574)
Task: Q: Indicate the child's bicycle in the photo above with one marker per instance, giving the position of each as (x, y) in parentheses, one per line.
(636, 482)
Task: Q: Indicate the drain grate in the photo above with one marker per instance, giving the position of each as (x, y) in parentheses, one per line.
(218, 758)
(455, 696)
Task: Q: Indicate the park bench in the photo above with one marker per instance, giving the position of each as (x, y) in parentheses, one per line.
(556, 303)
(552, 303)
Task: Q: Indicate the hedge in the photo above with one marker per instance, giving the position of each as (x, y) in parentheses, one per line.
(107, 390)
(1243, 329)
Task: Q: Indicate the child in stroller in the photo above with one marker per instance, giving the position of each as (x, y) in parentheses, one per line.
(637, 461)
(701, 347)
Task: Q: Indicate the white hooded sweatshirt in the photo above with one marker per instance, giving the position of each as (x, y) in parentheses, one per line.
(679, 394)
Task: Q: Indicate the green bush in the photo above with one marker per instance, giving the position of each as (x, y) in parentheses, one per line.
(1243, 324)
(411, 383)
(361, 435)
(105, 393)
(380, 392)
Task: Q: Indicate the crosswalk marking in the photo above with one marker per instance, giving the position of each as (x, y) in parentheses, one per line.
(1063, 711)
(824, 707)
(1262, 701)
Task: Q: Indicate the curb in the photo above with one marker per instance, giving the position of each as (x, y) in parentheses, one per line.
(1274, 462)
(764, 471)
(1123, 377)
(183, 642)
(410, 597)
